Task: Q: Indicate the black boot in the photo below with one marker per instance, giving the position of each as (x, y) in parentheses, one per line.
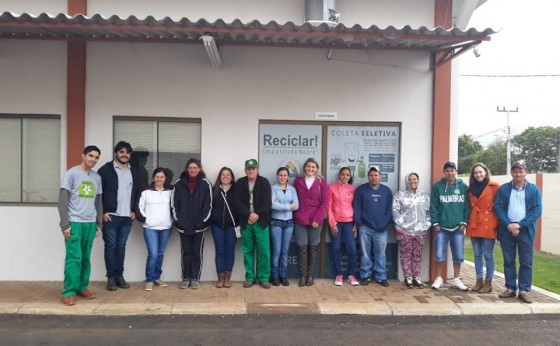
(302, 262)
(111, 284)
(313, 251)
(121, 283)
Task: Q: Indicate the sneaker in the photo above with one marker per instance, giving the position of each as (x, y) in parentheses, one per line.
(438, 283)
(160, 283)
(338, 280)
(417, 282)
(364, 282)
(507, 294)
(248, 284)
(149, 286)
(458, 284)
(86, 294)
(266, 285)
(195, 284)
(383, 283)
(408, 282)
(69, 300)
(352, 280)
(185, 284)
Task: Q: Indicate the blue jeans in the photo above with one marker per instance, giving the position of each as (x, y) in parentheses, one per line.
(376, 241)
(456, 239)
(115, 235)
(224, 242)
(523, 243)
(483, 247)
(346, 231)
(281, 235)
(156, 242)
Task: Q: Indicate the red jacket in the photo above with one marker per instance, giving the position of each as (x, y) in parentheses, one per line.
(340, 203)
(313, 202)
(483, 223)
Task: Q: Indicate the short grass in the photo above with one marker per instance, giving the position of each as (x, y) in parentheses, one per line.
(546, 266)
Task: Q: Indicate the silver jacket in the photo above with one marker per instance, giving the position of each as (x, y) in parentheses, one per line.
(411, 211)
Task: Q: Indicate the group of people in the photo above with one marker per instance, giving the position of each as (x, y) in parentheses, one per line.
(266, 217)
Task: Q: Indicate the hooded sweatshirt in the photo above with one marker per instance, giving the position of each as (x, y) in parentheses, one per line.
(449, 206)
(411, 211)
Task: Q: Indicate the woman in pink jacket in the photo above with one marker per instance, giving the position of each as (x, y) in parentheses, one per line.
(341, 222)
(313, 195)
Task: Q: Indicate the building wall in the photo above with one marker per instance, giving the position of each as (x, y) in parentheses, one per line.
(171, 80)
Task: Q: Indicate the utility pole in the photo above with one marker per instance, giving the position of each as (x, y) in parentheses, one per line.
(558, 149)
(508, 138)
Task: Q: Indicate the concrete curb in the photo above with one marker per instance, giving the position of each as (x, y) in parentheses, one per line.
(322, 308)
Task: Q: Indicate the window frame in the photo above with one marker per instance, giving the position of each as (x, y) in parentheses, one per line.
(21, 117)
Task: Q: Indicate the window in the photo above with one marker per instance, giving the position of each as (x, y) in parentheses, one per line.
(159, 142)
(30, 156)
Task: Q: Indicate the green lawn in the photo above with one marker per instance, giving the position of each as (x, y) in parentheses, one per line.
(546, 267)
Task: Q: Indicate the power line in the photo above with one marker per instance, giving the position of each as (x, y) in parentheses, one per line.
(510, 75)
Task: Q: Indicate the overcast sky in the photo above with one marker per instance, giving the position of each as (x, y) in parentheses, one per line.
(526, 44)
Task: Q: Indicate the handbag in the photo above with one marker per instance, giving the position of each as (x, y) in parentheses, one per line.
(236, 228)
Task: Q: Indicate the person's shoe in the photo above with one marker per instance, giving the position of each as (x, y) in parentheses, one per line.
(227, 279)
(417, 282)
(69, 300)
(524, 297)
(302, 281)
(507, 294)
(338, 280)
(149, 286)
(438, 283)
(185, 284)
(86, 294)
(160, 283)
(248, 284)
(276, 282)
(408, 282)
(478, 285)
(111, 284)
(121, 283)
(310, 280)
(266, 285)
(364, 282)
(458, 284)
(383, 283)
(195, 284)
(352, 280)
(487, 287)
(284, 282)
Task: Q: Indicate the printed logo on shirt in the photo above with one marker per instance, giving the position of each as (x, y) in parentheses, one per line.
(375, 197)
(86, 189)
(452, 199)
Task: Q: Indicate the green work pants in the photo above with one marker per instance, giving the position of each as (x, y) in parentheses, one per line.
(255, 236)
(77, 265)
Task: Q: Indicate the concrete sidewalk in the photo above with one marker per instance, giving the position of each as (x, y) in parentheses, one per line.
(322, 298)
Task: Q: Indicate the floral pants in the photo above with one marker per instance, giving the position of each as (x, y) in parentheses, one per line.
(410, 251)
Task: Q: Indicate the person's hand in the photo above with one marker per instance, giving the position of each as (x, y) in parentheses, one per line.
(293, 206)
(355, 230)
(98, 232)
(314, 224)
(253, 217)
(462, 228)
(334, 231)
(132, 215)
(66, 233)
(106, 217)
(437, 228)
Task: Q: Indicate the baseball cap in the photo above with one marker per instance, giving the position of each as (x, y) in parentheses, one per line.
(449, 164)
(519, 164)
(251, 163)
(374, 168)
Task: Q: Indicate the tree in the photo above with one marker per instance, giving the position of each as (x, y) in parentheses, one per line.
(468, 149)
(538, 147)
(494, 157)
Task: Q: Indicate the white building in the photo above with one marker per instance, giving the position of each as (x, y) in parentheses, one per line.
(77, 72)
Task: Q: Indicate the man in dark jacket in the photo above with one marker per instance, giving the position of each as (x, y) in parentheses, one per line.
(253, 202)
(121, 191)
